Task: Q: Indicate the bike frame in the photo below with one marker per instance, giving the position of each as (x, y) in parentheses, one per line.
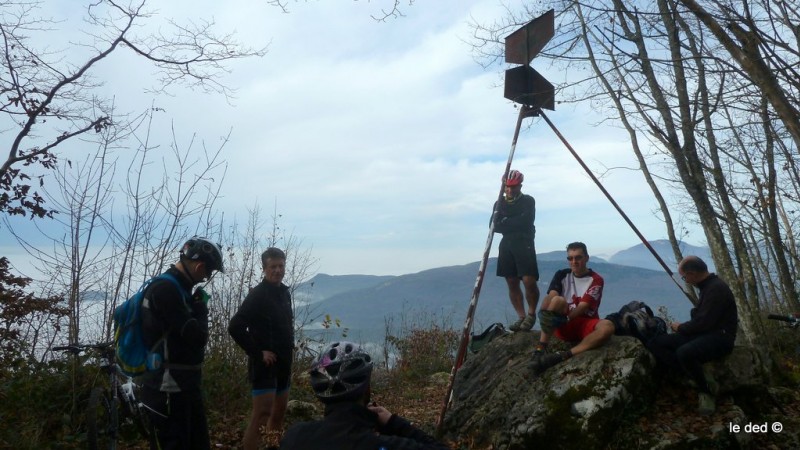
(121, 394)
(792, 319)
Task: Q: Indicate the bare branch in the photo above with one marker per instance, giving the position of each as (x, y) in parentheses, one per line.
(53, 94)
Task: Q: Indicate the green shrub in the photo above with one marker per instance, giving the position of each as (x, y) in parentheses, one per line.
(226, 386)
(41, 405)
(424, 351)
(784, 345)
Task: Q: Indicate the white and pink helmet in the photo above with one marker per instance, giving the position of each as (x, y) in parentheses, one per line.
(342, 372)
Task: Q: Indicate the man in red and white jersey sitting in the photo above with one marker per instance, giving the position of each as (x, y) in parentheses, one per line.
(569, 311)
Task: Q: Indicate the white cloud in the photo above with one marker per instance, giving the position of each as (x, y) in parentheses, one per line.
(384, 143)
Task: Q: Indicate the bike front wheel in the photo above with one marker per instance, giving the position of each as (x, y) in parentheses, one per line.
(102, 420)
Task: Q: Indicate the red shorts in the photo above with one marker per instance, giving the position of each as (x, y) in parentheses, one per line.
(576, 329)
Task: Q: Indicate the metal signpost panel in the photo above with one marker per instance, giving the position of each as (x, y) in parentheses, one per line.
(523, 84)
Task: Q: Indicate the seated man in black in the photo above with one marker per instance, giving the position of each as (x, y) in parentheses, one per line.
(709, 335)
(341, 380)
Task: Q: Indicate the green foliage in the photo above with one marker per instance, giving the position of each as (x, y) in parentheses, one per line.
(422, 352)
(329, 322)
(36, 403)
(38, 408)
(785, 351)
(17, 308)
(226, 385)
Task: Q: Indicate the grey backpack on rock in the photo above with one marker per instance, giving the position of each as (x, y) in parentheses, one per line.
(637, 319)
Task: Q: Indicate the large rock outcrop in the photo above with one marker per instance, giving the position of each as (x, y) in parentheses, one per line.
(576, 404)
(498, 402)
(742, 369)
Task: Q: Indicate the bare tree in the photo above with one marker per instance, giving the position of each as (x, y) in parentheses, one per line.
(50, 98)
(394, 10)
(763, 39)
(687, 84)
(165, 212)
(100, 253)
(24, 319)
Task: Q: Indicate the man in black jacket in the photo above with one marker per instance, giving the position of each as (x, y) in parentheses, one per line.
(709, 335)
(341, 380)
(264, 327)
(175, 326)
(516, 260)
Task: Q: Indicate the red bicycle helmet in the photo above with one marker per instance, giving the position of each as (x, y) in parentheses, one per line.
(515, 178)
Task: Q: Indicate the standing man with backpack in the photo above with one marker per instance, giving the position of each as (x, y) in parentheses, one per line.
(516, 261)
(175, 326)
(264, 328)
(709, 335)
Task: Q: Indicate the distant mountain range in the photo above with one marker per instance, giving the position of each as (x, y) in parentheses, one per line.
(640, 256)
(441, 296)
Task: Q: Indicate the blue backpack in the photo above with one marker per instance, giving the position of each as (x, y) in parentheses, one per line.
(133, 356)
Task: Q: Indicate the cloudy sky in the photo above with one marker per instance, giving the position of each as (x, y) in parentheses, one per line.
(383, 143)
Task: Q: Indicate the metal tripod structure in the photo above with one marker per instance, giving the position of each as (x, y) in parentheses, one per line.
(524, 111)
(527, 87)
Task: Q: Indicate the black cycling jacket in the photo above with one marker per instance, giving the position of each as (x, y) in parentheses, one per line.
(183, 321)
(351, 426)
(265, 321)
(715, 310)
(516, 219)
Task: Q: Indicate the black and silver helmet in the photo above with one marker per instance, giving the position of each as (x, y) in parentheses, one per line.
(202, 249)
(342, 372)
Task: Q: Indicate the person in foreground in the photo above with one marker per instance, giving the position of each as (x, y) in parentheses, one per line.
(516, 261)
(341, 380)
(264, 328)
(175, 325)
(709, 335)
(569, 310)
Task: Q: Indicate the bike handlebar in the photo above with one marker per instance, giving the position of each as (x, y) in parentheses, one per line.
(783, 317)
(77, 348)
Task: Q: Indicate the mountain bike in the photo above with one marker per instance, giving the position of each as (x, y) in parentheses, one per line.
(114, 406)
(792, 319)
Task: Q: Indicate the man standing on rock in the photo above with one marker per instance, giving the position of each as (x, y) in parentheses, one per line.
(569, 310)
(516, 261)
(708, 336)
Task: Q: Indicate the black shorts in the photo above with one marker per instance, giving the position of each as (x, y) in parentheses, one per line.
(517, 258)
(275, 378)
